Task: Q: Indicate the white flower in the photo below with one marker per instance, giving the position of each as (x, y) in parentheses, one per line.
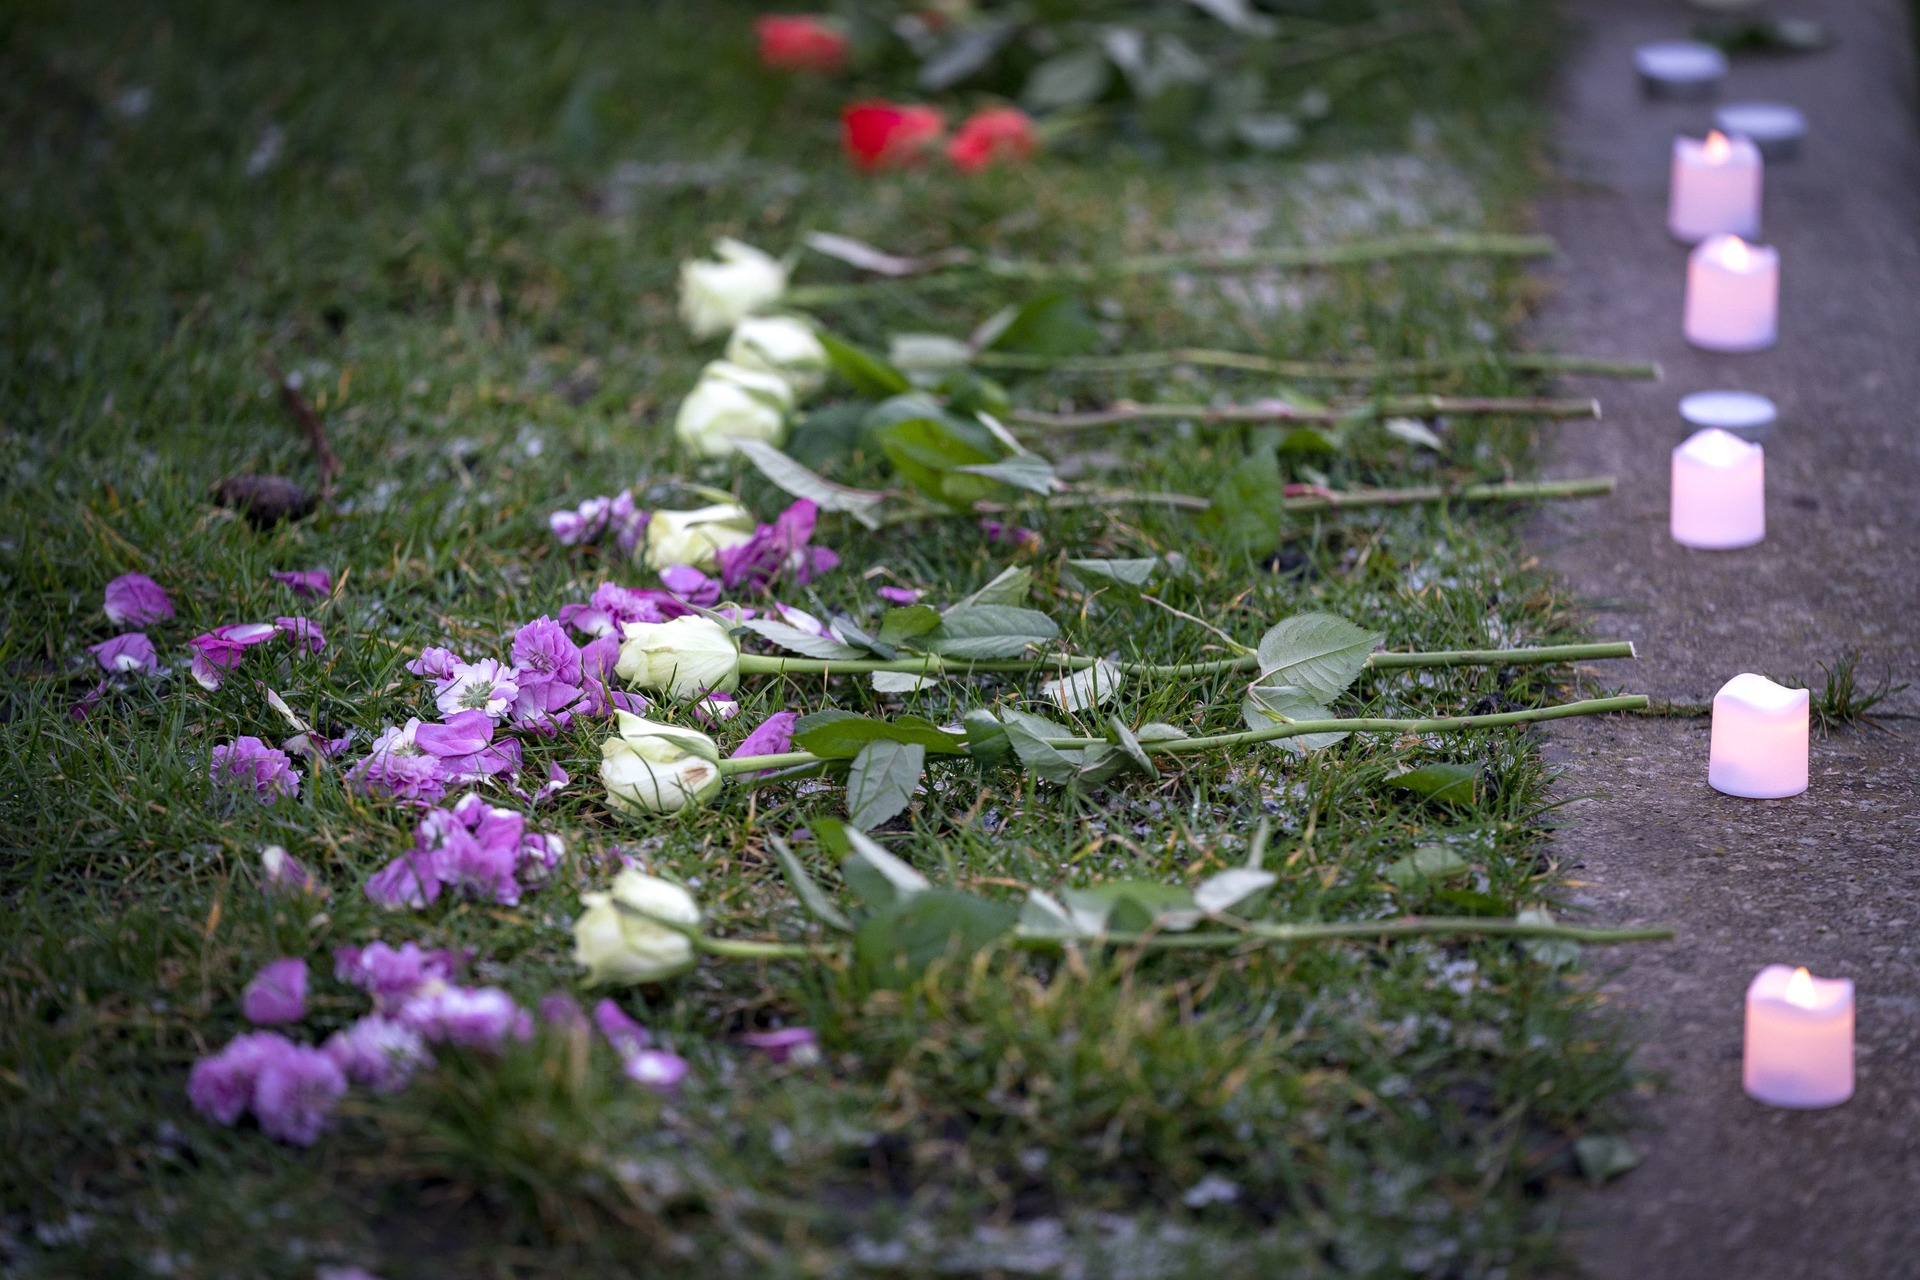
(732, 402)
(687, 657)
(715, 296)
(695, 537)
(631, 945)
(485, 685)
(782, 345)
(657, 768)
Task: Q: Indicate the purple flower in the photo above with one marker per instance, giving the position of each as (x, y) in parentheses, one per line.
(540, 857)
(716, 708)
(379, 1052)
(462, 734)
(218, 651)
(277, 994)
(899, 595)
(399, 766)
(220, 1086)
(628, 523)
(344, 1273)
(485, 685)
(436, 663)
(394, 975)
(597, 661)
(798, 1045)
(281, 875)
(301, 631)
(625, 1035)
(411, 880)
(470, 1017)
(562, 1012)
(1022, 537)
(612, 606)
(657, 1069)
(776, 549)
(310, 584)
(316, 747)
(582, 524)
(296, 1091)
(773, 736)
(252, 761)
(127, 653)
(556, 782)
(691, 585)
(550, 676)
(135, 599)
(85, 707)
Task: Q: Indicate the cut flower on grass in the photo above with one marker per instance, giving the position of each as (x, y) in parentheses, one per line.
(636, 931)
(889, 135)
(651, 768)
(801, 42)
(733, 402)
(716, 296)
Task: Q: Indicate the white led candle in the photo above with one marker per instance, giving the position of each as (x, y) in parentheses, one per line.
(1719, 492)
(1733, 295)
(1715, 188)
(1799, 1039)
(1759, 741)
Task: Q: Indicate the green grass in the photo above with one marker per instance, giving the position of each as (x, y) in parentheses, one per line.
(466, 247)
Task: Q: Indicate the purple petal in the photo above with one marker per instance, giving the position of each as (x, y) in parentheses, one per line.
(773, 737)
(295, 1094)
(436, 663)
(625, 1035)
(563, 1012)
(900, 595)
(220, 1086)
(411, 880)
(302, 632)
(311, 584)
(127, 653)
(789, 1044)
(394, 975)
(135, 599)
(282, 875)
(251, 761)
(277, 994)
(464, 733)
(379, 1052)
(657, 1069)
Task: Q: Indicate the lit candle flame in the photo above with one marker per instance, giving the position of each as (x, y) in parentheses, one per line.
(1717, 150)
(1735, 255)
(1800, 989)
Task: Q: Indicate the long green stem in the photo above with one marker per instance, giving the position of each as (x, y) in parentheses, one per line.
(1240, 936)
(1318, 500)
(1398, 406)
(1293, 257)
(1333, 371)
(1292, 729)
(932, 664)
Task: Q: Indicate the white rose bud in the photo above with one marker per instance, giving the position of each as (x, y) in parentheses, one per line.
(782, 345)
(716, 296)
(732, 402)
(658, 768)
(695, 537)
(623, 947)
(687, 657)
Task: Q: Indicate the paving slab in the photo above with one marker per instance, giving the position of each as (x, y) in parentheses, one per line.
(1831, 878)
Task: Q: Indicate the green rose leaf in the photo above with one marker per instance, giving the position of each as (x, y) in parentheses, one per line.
(807, 889)
(1267, 705)
(989, 631)
(793, 478)
(896, 944)
(1051, 325)
(795, 640)
(865, 372)
(898, 625)
(877, 876)
(881, 780)
(1451, 784)
(1426, 865)
(1321, 653)
(842, 735)
(1128, 573)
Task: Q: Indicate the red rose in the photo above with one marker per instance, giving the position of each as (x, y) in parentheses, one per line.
(800, 42)
(998, 133)
(885, 135)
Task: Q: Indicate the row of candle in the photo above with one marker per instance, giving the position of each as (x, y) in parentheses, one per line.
(1799, 1029)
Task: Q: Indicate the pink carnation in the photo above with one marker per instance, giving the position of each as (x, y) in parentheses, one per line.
(277, 994)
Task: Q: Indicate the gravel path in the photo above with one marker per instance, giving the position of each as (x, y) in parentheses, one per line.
(1830, 879)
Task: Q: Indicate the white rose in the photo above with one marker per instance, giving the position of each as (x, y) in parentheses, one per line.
(782, 345)
(686, 657)
(624, 947)
(658, 768)
(715, 296)
(695, 537)
(732, 402)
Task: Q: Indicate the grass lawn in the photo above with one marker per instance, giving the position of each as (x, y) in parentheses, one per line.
(460, 225)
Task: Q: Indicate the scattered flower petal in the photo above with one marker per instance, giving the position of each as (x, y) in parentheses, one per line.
(128, 653)
(277, 994)
(134, 599)
(900, 595)
(798, 1045)
(800, 42)
(295, 1094)
(280, 873)
(249, 760)
(303, 632)
(657, 1069)
(379, 1052)
(310, 584)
